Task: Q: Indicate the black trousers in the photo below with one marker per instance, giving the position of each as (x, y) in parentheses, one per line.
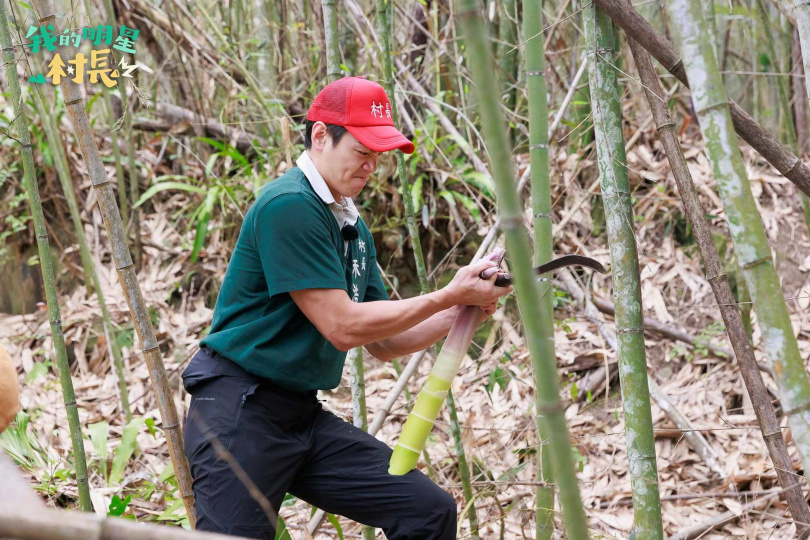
(285, 442)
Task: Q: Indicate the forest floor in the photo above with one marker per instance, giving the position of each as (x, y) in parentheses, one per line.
(494, 389)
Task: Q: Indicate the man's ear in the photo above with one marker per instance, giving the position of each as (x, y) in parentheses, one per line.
(319, 136)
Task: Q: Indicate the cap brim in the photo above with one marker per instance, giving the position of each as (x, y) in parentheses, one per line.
(381, 138)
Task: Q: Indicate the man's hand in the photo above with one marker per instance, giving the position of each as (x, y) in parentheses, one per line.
(467, 288)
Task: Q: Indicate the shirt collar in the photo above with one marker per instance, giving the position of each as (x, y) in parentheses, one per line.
(317, 182)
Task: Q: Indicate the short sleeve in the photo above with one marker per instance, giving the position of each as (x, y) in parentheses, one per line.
(296, 247)
(375, 290)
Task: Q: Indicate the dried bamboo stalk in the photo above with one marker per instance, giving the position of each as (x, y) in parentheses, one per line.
(126, 274)
(790, 482)
(45, 264)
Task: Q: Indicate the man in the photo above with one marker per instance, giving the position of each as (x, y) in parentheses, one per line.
(302, 288)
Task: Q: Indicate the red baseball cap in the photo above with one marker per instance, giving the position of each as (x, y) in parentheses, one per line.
(362, 107)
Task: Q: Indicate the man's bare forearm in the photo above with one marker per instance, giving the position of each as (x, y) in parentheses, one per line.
(375, 321)
(420, 337)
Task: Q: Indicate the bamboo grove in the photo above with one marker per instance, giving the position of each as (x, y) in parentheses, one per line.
(541, 130)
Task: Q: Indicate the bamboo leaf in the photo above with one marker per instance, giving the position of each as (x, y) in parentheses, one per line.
(125, 450)
(163, 186)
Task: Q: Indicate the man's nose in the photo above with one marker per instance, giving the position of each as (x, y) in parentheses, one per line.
(371, 165)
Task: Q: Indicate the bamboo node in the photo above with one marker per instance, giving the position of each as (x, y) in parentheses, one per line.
(47, 18)
(667, 125)
(678, 65)
(146, 350)
(70, 403)
(798, 162)
(73, 102)
(25, 145)
(757, 262)
(511, 222)
(535, 72)
(173, 426)
(615, 193)
(549, 408)
(539, 145)
(719, 277)
(630, 331)
(542, 215)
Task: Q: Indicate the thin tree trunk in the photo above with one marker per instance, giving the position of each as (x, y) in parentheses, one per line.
(616, 196)
(45, 264)
(777, 154)
(384, 33)
(745, 223)
(790, 482)
(549, 406)
(126, 273)
(543, 239)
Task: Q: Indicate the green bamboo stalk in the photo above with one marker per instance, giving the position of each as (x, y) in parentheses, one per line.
(384, 23)
(463, 466)
(46, 264)
(607, 121)
(743, 350)
(745, 223)
(410, 220)
(358, 383)
(543, 239)
(549, 405)
(126, 275)
(91, 276)
(359, 416)
(802, 13)
(507, 54)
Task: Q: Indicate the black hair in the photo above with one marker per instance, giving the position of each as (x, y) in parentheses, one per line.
(334, 131)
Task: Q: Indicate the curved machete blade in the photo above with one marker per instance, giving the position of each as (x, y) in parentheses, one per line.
(566, 260)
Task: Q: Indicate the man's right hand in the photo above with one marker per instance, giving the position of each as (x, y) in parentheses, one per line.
(468, 289)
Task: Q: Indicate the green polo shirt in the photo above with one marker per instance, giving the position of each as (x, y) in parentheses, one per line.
(289, 241)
